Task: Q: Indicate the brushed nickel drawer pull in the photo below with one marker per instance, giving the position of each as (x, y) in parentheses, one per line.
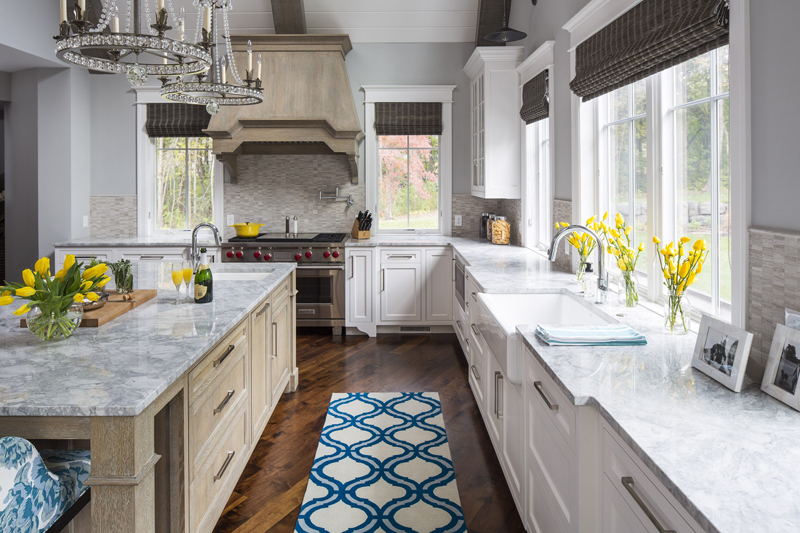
(458, 323)
(224, 356)
(151, 258)
(225, 466)
(274, 340)
(475, 330)
(551, 406)
(467, 341)
(262, 311)
(475, 296)
(627, 482)
(498, 377)
(228, 397)
(400, 257)
(475, 372)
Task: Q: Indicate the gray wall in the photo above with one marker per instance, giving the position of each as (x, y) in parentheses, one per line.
(775, 76)
(419, 64)
(113, 136)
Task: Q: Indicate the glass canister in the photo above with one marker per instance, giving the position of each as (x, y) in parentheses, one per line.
(484, 220)
(501, 230)
(488, 226)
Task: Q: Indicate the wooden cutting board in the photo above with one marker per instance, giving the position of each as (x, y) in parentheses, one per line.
(97, 317)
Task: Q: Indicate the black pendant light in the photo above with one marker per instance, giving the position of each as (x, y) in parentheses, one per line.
(506, 34)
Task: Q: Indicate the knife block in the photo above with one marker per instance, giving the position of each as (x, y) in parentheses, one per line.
(357, 234)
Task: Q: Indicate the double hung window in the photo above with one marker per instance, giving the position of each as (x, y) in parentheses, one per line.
(539, 197)
(184, 188)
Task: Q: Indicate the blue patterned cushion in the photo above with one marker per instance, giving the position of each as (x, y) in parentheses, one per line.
(36, 489)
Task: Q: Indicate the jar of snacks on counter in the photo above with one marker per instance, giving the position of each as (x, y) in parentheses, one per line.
(501, 230)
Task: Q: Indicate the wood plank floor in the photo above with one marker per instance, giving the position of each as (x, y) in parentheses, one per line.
(267, 498)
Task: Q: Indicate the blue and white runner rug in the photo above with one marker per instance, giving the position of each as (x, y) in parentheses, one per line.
(382, 466)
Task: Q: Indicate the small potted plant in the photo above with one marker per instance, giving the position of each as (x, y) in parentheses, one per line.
(54, 304)
(679, 272)
(123, 278)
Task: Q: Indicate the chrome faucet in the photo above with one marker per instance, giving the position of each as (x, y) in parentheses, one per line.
(602, 277)
(194, 254)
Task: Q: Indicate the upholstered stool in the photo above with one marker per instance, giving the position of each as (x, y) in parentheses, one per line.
(40, 490)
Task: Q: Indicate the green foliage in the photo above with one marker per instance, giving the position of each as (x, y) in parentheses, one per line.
(409, 183)
(185, 182)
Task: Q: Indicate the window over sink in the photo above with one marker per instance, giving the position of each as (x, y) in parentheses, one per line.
(184, 182)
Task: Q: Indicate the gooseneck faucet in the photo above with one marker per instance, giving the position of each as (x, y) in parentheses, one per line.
(194, 254)
(602, 278)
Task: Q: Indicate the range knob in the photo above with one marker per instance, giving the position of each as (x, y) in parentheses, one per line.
(336, 255)
(239, 255)
(308, 255)
(326, 255)
(297, 257)
(230, 255)
(267, 257)
(257, 255)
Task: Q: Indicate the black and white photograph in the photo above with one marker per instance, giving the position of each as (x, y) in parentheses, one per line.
(783, 367)
(722, 351)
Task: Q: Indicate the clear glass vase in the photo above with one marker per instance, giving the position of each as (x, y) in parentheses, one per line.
(581, 272)
(677, 313)
(628, 293)
(54, 324)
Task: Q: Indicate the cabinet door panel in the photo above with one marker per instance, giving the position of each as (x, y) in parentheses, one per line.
(261, 374)
(494, 400)
(617, 515)
(541, 517)
(514, 439)
(280, 353)
(400, 293)
(439, 285)
(359, 286)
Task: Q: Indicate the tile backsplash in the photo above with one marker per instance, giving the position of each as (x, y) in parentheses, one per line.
(113, 216)
(271, 187)
(471, 207)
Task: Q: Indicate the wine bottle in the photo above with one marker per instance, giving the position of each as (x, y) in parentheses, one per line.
(203, 281)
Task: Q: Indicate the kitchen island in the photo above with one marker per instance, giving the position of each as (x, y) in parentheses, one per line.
(171, 396)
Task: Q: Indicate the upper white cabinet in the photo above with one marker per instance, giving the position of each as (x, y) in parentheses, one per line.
(495, 103)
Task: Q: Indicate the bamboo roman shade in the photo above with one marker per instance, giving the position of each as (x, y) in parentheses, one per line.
(176, 120)
(536, 98)
(651, 37)
(408, 118)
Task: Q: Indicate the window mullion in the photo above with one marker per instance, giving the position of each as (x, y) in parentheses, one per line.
(715, 237)
(186, 181)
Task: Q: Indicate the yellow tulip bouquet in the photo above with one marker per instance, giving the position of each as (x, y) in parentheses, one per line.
(55, 300)
(620, 246)
(680, 272)
(584, 243)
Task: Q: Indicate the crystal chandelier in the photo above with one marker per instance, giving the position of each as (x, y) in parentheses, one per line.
(215, 91)
(101, 46)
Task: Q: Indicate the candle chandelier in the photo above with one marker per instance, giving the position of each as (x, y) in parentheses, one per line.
(101, 46)
(212, 88)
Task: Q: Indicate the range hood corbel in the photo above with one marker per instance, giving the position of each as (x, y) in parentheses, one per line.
(308, 104)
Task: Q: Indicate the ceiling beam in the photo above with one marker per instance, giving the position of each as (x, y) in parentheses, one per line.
(289, 16)
(490, 19)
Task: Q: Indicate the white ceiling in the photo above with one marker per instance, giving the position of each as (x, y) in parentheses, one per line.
(366, 21)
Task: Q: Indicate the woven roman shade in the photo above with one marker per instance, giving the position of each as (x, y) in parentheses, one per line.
(176, 120)
(651, 37)
(408, 118)
(536, 98)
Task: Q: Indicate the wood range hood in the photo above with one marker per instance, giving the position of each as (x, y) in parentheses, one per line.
(308, 105)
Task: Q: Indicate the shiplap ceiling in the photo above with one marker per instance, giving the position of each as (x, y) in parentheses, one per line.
(366, 21)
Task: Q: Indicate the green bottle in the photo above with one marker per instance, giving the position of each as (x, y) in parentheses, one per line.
(203, 281)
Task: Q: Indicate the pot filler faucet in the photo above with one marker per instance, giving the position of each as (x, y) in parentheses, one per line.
(602, 278)
(195, 255)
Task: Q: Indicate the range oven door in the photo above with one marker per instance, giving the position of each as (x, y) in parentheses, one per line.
(320, 296)
(461, 282)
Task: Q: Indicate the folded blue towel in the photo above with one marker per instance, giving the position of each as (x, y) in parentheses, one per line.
(611, 335)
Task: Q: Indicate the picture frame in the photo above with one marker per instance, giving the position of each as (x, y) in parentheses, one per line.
(721, 352)
(783, 367)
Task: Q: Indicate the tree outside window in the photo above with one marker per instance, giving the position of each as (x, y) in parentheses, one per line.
(184, 182)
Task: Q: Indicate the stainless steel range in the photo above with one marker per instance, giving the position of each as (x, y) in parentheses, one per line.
(320, 270)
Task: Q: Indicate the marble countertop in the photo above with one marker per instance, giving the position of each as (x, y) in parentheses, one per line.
(118, 369)
(163, 240)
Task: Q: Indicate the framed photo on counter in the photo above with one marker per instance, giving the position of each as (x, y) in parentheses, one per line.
(722, 351)
(783, 367)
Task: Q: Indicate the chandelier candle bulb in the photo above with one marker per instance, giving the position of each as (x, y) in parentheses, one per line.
(259, 66)
(207, 19)
(63, 11)
(249, 56)
(160, 5)
(82, 5)
(114, 11)
(223, 66)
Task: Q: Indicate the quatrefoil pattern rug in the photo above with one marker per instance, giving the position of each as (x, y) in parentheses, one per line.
(382, 466)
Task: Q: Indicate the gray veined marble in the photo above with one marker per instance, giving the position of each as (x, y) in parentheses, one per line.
(120, 368)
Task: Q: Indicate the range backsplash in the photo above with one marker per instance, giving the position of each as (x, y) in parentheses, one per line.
(271, 187)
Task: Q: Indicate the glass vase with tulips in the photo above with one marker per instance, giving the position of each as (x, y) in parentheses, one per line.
(53, 303)
(620, 246)
(584, 243)
(679, 272)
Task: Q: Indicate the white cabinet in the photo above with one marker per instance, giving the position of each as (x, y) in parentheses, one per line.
(494, 414)
(401, 286)
(358, 301)
(132, 253)
(617, 516)
(438, 284)
(495, 104)
(153, 254)
(514, 440)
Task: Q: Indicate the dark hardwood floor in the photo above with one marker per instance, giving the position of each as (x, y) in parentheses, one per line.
(267, 498)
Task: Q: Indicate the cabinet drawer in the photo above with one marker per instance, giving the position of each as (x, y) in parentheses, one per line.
(282, 291)
(401, 255)
(470, 303)
(214, 408)
(478, 370)
(644, 498)
(209, 490)
(549, 396)
(217, 362)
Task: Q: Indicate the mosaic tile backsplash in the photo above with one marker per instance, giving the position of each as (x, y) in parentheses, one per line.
(112, 216)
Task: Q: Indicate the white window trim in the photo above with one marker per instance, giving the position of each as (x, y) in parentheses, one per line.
(146, 169)
(411, 93)
(595, 16)
(540, 60)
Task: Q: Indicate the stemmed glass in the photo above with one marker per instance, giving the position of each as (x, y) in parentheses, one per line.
(187, 277)
(177, 279)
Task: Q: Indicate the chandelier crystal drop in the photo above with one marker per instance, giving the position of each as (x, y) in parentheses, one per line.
(101, 46)
(211, 88)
